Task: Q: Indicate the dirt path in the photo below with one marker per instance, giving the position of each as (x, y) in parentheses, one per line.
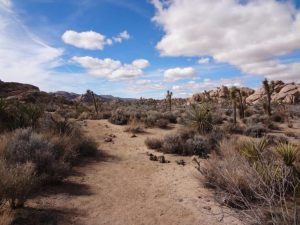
(129, 189)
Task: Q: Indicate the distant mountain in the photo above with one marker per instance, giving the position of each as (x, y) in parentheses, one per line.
(30, 93)
(8, 89)
(67, 95)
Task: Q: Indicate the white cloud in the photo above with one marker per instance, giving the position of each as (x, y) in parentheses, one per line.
(252, 34)
(141, 63)
(111, 69)
(204, 61)
(87, 40)
(179, 73)
(92, 40)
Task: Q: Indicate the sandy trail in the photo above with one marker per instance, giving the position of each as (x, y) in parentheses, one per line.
(128, 189)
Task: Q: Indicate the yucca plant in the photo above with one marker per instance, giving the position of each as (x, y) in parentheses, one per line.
(288, 152)
(253, 149)
(201, 118)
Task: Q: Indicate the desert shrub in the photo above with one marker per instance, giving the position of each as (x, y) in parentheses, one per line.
(172, 144)
(276, 139)
(233, 129)
(71, 147)
(134, 129)
(153, 143)
(162, 123)
(119, 117)
(61, 126)
(256, 131)
(17, 182)
(256, 118)
(278, 117)
(27, 146)
(215, 137)
(249, 112)
(172, 118)
(197, 145)
(217, 119)
(228, 112)
(186, 142)
(105, 115)
(200, 118)
(15, 115)
(134, 124)
(261, 187)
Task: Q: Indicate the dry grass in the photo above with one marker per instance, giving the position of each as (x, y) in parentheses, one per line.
(252, 178)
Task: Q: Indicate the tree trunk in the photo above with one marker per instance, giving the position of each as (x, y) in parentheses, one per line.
(234, 112)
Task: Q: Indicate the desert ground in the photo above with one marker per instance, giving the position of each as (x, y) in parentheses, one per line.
(228, 156)
(125, 187)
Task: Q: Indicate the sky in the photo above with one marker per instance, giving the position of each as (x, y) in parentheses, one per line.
(142, 48)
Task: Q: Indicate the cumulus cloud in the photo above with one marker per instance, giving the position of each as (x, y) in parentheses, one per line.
(204, 60)
(92, 40)
(111, 69)
(179, 73)
(249, 35)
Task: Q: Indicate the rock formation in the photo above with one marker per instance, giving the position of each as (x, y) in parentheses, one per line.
(286, 93)
(220, 94)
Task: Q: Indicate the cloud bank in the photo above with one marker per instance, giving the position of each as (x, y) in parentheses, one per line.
(250, 35)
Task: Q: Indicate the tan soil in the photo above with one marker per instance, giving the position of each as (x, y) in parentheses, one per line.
(126, 188)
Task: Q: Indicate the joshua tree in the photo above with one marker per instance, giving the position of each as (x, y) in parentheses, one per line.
(269, 89)
(91, 94)
(233, 96)
(241, 104)
(169, 99)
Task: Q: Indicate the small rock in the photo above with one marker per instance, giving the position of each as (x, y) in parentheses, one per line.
(133, 136)
(153, 157)
(207, 207)
(181, 162)
(108, 139)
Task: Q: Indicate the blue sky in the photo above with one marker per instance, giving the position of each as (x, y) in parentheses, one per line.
(134, 48)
